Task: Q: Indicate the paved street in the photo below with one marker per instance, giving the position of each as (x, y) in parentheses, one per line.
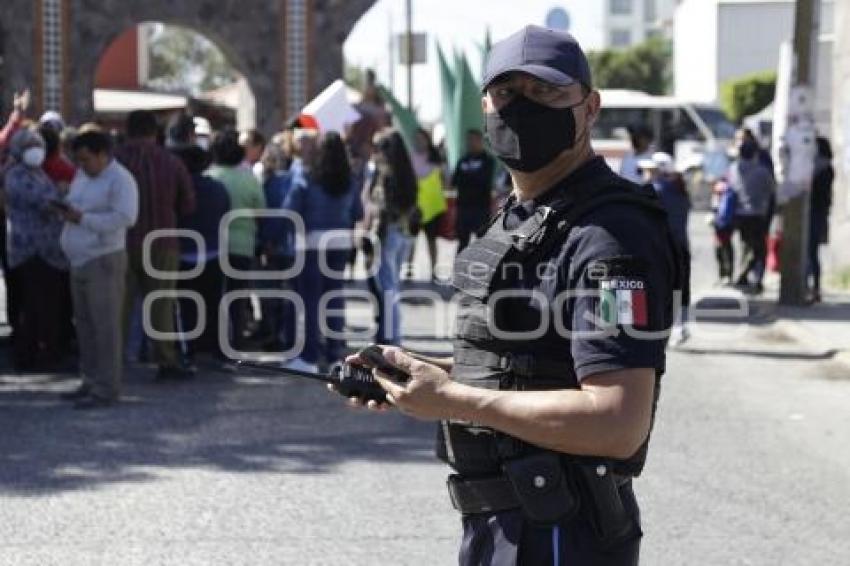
(749, 465)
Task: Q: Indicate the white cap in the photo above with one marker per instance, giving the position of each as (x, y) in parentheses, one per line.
(52, 117)
(663, 161)
(646, 164)
(202, 126)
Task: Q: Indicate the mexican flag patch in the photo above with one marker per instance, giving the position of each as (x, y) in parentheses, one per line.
(623, 302)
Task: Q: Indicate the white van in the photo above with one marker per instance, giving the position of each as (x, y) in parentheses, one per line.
(696, 135)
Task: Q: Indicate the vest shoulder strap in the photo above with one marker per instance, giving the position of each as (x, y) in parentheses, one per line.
(567, 212)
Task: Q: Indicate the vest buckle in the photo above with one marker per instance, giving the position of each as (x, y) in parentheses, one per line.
(522, 366)
(507, 379)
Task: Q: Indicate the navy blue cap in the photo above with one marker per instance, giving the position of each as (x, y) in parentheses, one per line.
(552, 56)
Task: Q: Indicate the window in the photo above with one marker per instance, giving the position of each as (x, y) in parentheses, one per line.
(621, 38)
(612, 119)
(676, 125)
(650, 12)
(621, 7)
(717, 122)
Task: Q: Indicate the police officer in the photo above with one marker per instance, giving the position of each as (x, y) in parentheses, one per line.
(564, 302)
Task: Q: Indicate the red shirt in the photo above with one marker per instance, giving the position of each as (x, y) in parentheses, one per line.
(59, 169)
(165, 191)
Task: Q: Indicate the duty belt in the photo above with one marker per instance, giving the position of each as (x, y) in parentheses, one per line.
(490, 495)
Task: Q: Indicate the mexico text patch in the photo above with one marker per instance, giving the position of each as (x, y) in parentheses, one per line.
(622, 301)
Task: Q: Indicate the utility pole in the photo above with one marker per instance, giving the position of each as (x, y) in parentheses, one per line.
(795, 212)
(409, 48)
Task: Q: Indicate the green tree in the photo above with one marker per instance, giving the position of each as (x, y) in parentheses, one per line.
(182, 60)
(644, 67)
(747, 95)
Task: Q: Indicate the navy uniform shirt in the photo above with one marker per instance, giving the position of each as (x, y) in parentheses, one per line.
(616, 269)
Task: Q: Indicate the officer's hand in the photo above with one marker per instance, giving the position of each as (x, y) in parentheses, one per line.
(357, 401)
(424, 395)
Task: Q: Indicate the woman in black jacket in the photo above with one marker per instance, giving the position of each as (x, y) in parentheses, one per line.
(821, 202)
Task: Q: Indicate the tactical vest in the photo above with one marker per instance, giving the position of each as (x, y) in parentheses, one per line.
(492, 264)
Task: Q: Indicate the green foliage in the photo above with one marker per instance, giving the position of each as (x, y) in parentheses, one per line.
(644, 67)
(355, 77)
(747, 95)
(182, 60)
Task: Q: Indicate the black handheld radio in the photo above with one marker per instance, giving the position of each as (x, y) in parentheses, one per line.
(349, 380)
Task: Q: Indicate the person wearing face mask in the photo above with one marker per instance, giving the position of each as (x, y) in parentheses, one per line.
(38, 268)
(564, 306)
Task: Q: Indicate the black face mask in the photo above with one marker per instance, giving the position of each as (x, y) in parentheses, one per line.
(527, 135)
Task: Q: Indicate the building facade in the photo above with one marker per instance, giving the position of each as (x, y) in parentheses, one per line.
(718, 40)
(628, 22)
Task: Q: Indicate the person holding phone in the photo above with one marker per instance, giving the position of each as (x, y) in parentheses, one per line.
(102, 204)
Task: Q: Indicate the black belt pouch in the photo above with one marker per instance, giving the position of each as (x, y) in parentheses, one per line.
(543, 488)
(611, 521)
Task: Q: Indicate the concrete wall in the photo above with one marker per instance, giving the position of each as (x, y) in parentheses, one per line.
(119, 64)
(749, 36)
(695, 51)
(730, 39)
(838, 252)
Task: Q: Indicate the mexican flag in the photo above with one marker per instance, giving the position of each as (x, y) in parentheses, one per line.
(623, 302)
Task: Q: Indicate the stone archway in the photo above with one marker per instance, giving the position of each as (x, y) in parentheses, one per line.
(99, 22)
(251, 33)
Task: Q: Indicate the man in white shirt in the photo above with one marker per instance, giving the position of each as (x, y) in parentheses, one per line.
(102, 203)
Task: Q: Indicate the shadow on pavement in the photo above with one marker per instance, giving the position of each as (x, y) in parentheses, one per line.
(764, 310)
(238, 423)
(798, 356)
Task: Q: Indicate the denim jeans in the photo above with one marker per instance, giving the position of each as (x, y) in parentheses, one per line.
(278, 315)
(394, 250)
(312, 285)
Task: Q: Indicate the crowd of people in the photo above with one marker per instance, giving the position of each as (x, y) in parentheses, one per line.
(115, 250)
(114, 247)
(744, 202)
